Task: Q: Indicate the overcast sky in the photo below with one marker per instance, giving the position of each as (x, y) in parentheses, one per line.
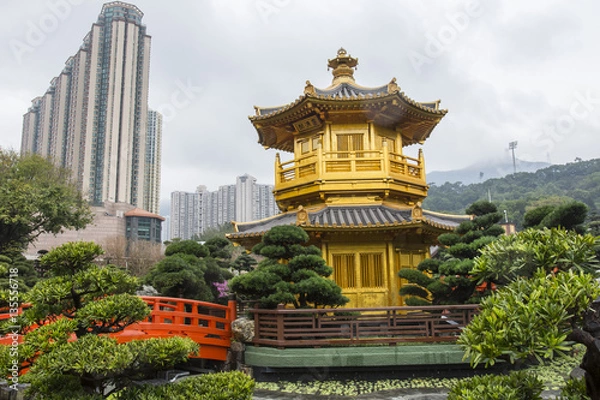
(525, 71)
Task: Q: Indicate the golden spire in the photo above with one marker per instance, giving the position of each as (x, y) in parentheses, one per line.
(343, 67)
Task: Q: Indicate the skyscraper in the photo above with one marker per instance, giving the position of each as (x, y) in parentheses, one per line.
(153, 161)
(184, 215)
(93, 119)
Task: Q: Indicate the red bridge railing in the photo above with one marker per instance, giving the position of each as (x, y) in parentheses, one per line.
(207, 324)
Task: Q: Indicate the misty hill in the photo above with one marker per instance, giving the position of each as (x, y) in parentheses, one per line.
(517, 192)
(477, 173)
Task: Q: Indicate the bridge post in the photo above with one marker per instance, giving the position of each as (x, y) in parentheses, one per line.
(232, 305)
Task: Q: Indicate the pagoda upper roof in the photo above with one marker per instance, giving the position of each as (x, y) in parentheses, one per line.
(348, 91)
(350, 218)
(386, 105)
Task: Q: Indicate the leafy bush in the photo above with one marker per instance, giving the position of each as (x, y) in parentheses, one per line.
(518, 385)
(218, 386)
(530, 318)
(574, 389)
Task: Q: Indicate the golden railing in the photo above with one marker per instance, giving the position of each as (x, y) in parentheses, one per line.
(336, 165)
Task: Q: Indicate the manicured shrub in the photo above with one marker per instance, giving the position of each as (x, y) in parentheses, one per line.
(518, 385)
(218, 386)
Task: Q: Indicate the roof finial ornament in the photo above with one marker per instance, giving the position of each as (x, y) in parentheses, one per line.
(393, 86)
(343, 67)
(309, 88)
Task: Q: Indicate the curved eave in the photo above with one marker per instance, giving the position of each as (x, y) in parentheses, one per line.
(275, 130)
(265, 113)
(366, 228)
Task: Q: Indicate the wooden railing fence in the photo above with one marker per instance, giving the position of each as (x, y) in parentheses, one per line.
(354, 326)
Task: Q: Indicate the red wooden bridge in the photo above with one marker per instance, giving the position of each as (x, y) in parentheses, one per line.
(207, 324)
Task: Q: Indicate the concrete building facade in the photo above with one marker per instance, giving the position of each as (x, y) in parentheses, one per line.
(184, 215)
(194, 213)
(111, 220)
(93, 119)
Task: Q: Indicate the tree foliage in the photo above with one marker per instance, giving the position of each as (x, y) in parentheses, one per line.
(17, 276)
(520, 192)
(36, 197)
(244, 263)
(537, 318)
(569, 216)
(190, 270)
(136, 256)
(217, 232)
(64, 346)
(291, 273)
(218, 386)
(447, 279)
(521, 254)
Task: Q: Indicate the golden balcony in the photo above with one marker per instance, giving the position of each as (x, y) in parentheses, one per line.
(321, 175)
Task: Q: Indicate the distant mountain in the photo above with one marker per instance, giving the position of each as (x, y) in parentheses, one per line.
(478, 173)
(516, 193)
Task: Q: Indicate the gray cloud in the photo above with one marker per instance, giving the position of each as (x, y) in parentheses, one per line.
(508, 72)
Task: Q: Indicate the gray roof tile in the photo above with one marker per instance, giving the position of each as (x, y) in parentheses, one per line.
(349, 216)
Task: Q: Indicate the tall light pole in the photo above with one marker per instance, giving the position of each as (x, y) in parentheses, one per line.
(512, 146)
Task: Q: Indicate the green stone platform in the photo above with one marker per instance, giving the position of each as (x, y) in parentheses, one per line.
(360, 356)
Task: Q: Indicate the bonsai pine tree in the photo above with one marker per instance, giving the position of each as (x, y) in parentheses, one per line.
(569, 216)
(244, 263)
(291, 273)
(189, 271)
(65, 345)
(446, 278)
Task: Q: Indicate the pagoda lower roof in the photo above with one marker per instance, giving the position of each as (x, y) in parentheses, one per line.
(351, 217)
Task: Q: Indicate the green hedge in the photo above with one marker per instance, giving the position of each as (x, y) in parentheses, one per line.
(518, 385)
(218, 386)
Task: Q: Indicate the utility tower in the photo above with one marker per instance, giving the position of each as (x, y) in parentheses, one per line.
(512, 146)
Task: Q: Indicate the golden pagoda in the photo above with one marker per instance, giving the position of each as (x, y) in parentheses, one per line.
(349, 185)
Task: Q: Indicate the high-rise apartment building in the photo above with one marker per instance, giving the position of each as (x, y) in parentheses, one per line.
(184, 215)
(93, 119)
(153, 160)
(244, 201)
